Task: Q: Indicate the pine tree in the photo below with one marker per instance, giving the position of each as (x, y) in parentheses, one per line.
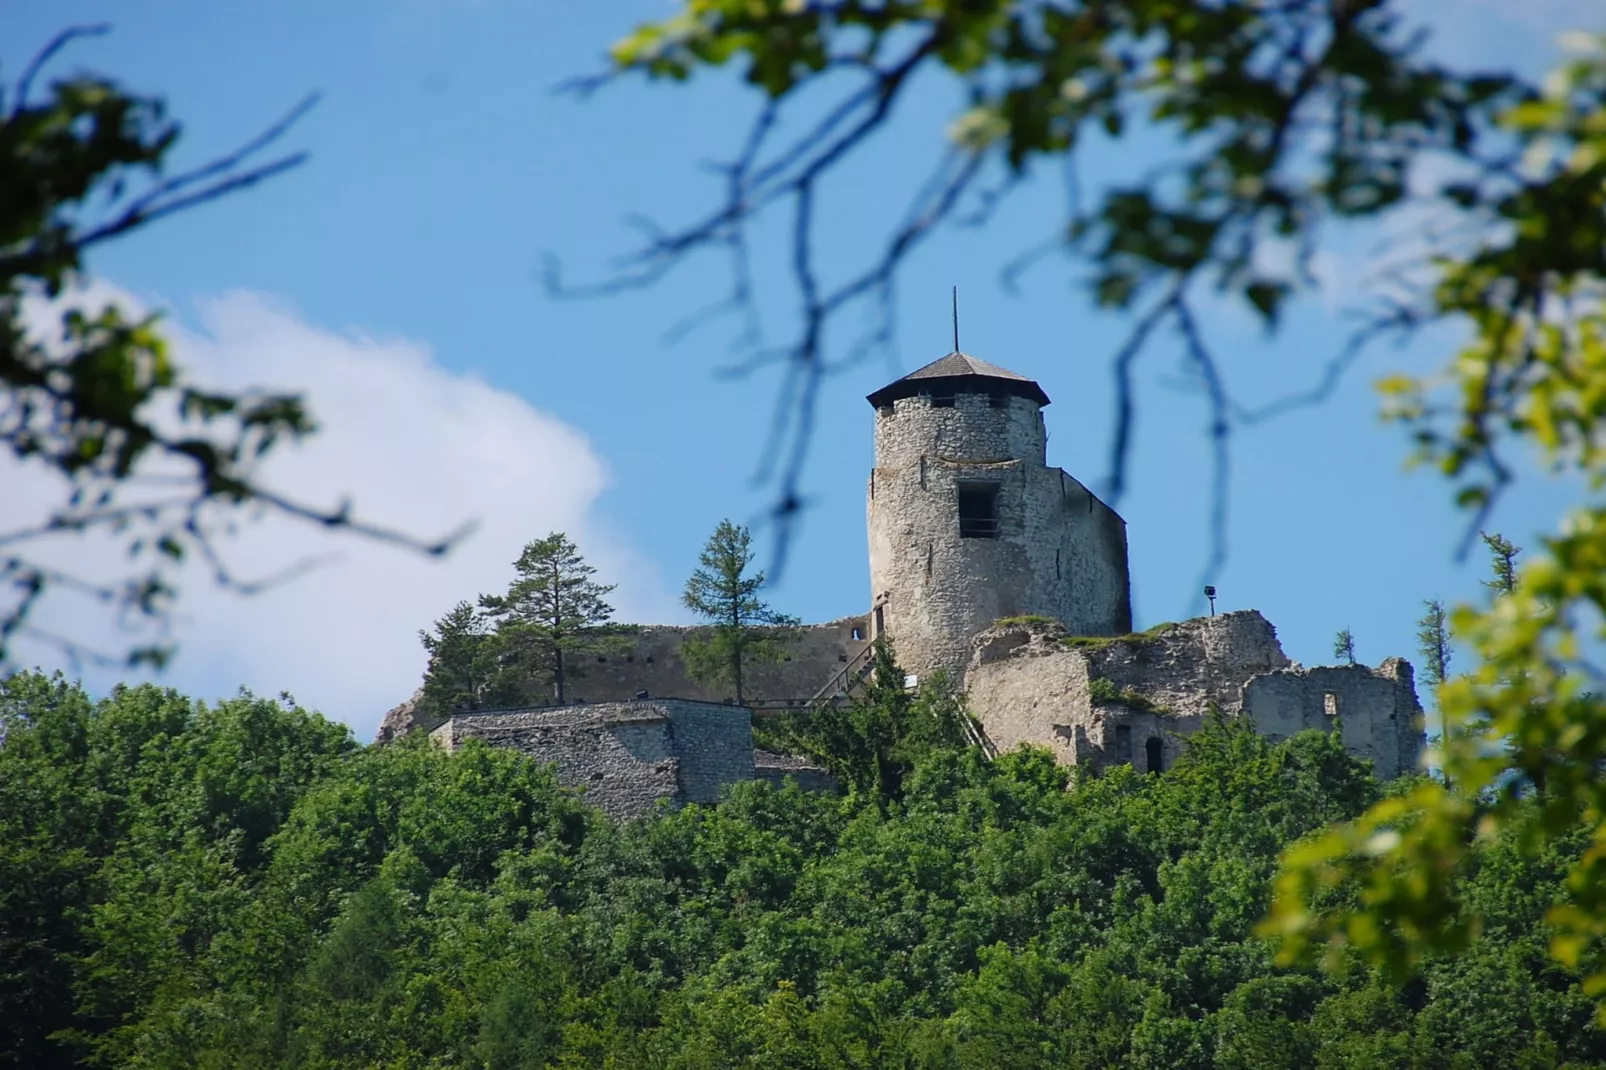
(462, 660)
(1503, 562)
(552, 612)
(743, 629)
(872, 744)
(1433, 641)
(1344, 646)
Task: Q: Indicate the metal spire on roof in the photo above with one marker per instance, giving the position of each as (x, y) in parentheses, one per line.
(956, 319)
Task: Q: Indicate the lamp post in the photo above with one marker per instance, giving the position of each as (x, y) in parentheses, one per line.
(1210, 593)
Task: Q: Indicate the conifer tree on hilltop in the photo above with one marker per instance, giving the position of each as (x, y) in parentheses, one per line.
(1503, 562)
(553, 612)
(1433, 640)
(462, 662)
(1344, 646)
(742, 628)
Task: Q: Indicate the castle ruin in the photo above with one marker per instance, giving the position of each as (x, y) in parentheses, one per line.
(967, 523)
(985, 563)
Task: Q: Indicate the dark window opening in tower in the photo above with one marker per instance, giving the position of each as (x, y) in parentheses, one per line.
(942, 401)
(978, 510)
(1153, 753)
(998, 401)
(1123, 743)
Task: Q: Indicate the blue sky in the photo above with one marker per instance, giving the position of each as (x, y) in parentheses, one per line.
(395, 278)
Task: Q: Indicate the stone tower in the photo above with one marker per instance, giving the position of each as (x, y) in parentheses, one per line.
(967, 523)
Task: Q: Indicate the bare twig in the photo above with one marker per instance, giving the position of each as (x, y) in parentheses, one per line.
(46, 54)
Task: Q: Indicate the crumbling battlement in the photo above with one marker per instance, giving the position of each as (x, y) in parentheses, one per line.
(1135, 698)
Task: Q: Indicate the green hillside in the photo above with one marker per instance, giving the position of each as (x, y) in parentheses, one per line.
(240, 885)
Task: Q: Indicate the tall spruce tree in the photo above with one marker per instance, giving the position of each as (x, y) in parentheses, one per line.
(742, 628)
(462, 662)
(551, 613)
(1502, 562)
(1433, 642)
(1344, 646)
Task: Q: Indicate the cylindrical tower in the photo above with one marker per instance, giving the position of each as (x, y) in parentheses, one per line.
(967, 524)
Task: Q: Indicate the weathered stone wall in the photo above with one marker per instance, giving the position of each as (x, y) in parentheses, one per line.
(652, 663)
(1027, 684)
(974, 428)
(626, 757)
(621, 758)
(1060, 552)
(778, 768)
(714, 744)
(1377, 713)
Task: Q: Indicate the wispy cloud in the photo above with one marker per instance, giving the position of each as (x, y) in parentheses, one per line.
(416, 447)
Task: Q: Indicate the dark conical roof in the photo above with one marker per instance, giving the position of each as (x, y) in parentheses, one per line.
(961, 373)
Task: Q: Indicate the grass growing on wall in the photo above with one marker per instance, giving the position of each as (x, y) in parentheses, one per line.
(1104, 691)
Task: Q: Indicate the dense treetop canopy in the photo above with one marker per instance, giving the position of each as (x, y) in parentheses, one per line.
(239, 885)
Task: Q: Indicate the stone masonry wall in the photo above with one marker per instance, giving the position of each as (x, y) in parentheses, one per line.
(625, 757)
(714, 744)
(1376, 709)
(652, 663)
(973, 428)
(1060, 552)
(1028, 685)
(622, 761)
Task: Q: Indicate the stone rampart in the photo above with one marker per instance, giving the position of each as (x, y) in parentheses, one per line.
(626, 756)
(1137, 698)
(652, 662)
(622, 762)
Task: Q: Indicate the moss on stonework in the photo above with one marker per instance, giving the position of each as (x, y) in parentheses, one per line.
(1105, 692)
(1027, 619)
(1148, 635)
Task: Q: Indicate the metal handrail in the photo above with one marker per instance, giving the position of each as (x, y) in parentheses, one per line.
(845, 677)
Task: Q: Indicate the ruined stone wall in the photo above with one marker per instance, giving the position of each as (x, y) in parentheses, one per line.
(1060, 552)
(652, 662)
(1029, 684)
(620, 759)
(625, 756)
(1376, 710)
(778, 768)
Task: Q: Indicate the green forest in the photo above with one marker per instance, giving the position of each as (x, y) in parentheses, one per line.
(240, 884)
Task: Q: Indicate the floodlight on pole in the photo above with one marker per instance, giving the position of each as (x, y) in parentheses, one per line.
(1210, 593)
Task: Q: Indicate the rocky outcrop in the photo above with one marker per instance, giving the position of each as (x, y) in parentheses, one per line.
(402, 719)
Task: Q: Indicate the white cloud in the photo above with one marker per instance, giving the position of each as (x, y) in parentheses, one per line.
(416, 447)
